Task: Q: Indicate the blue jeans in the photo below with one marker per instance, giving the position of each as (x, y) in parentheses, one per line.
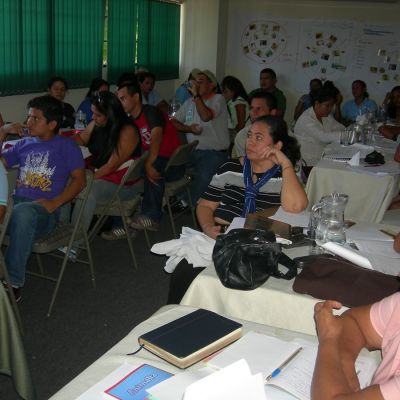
(205, 164)
(100, 193)
(153, 193)
(29, 222)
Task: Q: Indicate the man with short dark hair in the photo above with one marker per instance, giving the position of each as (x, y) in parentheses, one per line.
(204, 117)
(268, 84)
(46, 161)
(160, 139)
(261, 104)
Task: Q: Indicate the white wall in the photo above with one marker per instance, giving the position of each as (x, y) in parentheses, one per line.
(303, 9)
(205, 24)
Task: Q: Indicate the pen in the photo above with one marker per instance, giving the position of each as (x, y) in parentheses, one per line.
(283, 365)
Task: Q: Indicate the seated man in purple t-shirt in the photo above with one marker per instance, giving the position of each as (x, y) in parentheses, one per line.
(46, 161)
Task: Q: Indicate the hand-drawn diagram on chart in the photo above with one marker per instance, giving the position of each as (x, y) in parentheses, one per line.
(263, 41)
(377, 57)
(324, 49)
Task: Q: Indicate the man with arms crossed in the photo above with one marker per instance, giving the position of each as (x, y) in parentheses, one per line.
(46, 161)
(341, 338)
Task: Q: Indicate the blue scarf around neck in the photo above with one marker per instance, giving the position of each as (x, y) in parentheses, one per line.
(251, 188)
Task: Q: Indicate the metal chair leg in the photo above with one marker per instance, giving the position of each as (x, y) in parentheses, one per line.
(129, 240)
(170, 215)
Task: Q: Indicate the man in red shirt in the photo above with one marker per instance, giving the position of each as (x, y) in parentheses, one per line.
(160, 139)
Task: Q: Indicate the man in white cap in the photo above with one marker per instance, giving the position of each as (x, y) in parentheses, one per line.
(204, 118)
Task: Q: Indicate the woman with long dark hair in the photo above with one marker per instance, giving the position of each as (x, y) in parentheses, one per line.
(113, 141)
(237, 102)
(264, 178)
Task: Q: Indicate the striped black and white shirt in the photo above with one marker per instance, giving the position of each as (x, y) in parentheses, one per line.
(228, 189)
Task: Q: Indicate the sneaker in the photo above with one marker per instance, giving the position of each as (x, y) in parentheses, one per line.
(118, 233)
(143, 222)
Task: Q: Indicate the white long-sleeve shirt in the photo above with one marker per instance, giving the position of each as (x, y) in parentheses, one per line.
(313, 135)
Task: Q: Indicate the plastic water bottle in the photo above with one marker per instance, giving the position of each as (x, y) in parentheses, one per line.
(80, 119)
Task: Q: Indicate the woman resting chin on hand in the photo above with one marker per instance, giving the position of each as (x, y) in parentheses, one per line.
(264, 178)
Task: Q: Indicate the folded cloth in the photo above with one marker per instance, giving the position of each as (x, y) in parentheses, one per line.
(194, 246)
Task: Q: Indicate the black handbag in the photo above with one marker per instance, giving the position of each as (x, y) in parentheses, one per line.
(244, 259)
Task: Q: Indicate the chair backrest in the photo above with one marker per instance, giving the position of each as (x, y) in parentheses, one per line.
(7, 216)
(181, 155)
(135, 170)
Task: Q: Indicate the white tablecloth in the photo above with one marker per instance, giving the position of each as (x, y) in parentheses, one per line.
(116, 356)
(369, 195)
(274, 303)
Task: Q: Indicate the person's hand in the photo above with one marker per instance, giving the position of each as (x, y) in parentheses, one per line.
(387, 132)
(49, 205)
(329, 326)
(276, 156)
(396, 243)
(397, 154)
(152, 174)
(212, 231)
(193, 87)
(14, 127)
(196, 129)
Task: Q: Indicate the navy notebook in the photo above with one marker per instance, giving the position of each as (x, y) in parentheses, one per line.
(191, 338)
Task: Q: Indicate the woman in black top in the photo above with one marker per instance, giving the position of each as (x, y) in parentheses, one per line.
(113, 142)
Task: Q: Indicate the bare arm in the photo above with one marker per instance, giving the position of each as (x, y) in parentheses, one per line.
(128, 141)
(293, 196)
(83, 137)
(241, 116)
(397, 154)
(341, 338)
(205, 113)
(76, 185)
(298, 110)
(193, 128)
(205, 214)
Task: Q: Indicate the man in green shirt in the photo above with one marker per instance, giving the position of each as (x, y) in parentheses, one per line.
(267, 84)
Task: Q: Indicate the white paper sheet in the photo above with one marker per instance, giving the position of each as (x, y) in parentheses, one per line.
(234, 382)
(355, 160)
(368, 231)
(298, 219)
(174, 387)
(263, 353)
(236, 223)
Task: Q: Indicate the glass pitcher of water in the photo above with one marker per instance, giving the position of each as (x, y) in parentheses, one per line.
(328, 217)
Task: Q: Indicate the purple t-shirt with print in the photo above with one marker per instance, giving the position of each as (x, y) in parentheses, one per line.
(44, 165)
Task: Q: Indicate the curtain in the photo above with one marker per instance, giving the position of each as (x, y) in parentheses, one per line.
(41, 38)
(158, 38)
(121, 42)
(143, 34)
(24, 45)
(78, 40)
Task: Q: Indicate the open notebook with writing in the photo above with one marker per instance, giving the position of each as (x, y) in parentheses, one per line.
(265, 354)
